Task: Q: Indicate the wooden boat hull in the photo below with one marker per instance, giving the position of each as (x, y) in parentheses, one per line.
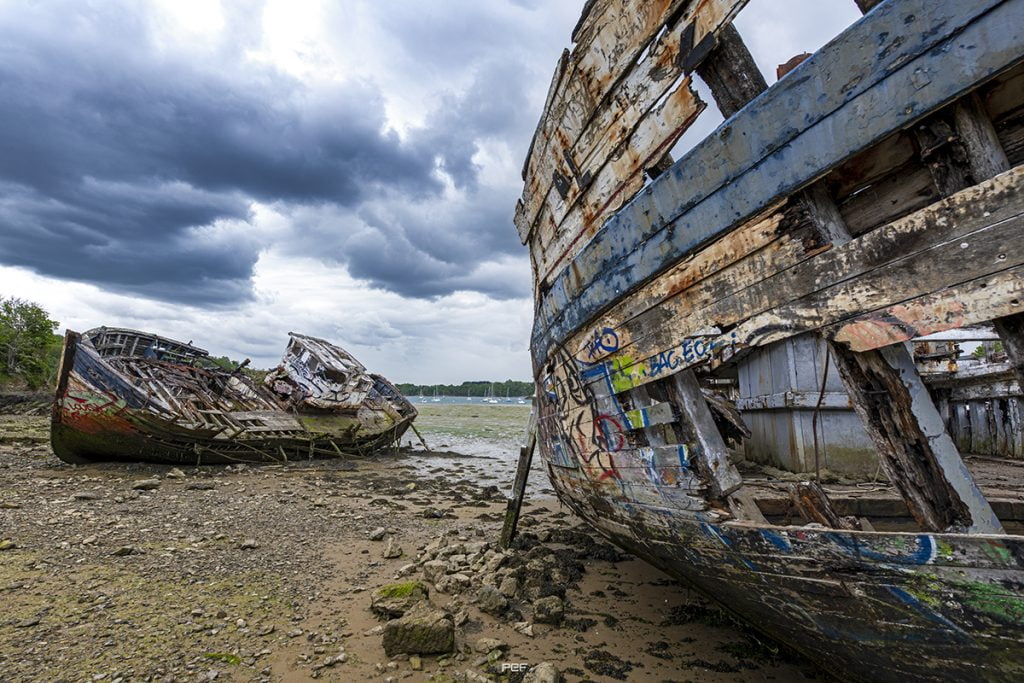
(870, 197)
(99, 415)
(866, 606)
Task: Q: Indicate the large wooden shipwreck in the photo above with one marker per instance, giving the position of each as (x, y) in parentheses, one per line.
(129, 395)
(785, 264)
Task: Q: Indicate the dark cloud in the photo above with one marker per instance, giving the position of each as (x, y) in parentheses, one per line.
(127, 164)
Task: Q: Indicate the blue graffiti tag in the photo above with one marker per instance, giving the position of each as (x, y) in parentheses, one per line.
(604, 341)
(924, 553)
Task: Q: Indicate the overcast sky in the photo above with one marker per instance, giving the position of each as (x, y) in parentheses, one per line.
(225, 172)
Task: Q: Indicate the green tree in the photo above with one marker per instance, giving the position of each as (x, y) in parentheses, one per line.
(27, 342)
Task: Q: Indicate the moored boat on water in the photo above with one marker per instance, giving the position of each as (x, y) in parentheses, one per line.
(134, 396)
(782, 267)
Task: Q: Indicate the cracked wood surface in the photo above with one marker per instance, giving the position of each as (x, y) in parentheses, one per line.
(969, 236)
(752, 160)
(618, 103)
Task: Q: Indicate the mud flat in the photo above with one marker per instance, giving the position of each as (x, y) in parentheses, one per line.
(144, 572)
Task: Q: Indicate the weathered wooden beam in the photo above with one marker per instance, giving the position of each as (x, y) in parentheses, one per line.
(713, 464)
(853, 74)
(867, 5)
(985, 153)
(730, 72)
(942, 151)
(814, 505)
(697, 432)
(515, 502)
(1011, 334)
(914, 449)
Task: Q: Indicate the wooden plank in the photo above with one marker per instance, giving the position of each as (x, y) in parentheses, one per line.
(943, 153)
(1015, 426)
(851, 75)
(515, 502)
(985, 154)
(713, 456)
(669, 461)
(522, 223)
(763, 232)
(628, 420)
(1011, 334)
(615, 176)
(872, 268)
(813, 504)
(606, 91)
(872, 165)
(913, 447)
(969, 303)
(727, 73)
(594, 67)
(905, 190)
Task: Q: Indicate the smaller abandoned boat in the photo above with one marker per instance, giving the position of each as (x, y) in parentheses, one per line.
(128, 395)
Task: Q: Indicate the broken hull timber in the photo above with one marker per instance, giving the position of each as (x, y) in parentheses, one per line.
(107, 413)
(873, 195)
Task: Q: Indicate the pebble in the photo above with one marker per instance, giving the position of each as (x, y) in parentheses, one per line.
(146, 485)
(545, 672)
(249, 544)
(485, 645)
(392, 550)
(378, 534)
(86, 495)
(175, 473)
(524, 627)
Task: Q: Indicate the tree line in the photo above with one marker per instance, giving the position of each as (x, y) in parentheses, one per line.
(477, 388)
(29, 345)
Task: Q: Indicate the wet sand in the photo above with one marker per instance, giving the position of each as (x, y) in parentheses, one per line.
(266, 572)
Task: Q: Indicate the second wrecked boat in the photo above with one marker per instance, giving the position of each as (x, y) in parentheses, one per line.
(129, 395)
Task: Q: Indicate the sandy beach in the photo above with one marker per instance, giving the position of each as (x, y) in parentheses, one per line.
(123, 572)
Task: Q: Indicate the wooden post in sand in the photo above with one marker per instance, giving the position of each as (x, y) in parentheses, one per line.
(515, 503)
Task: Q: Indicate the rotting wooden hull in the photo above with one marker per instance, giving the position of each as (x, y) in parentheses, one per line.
(100, 414)
(873, 195)
(865, 606)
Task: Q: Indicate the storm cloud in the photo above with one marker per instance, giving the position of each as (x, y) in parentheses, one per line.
(131, 164)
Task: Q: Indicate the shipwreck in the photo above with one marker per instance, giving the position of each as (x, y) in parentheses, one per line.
(132, 396)
(809, 264)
